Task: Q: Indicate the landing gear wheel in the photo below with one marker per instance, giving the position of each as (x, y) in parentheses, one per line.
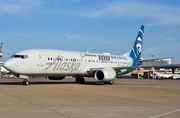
(111, 82)
(25, 82)
(80, 80)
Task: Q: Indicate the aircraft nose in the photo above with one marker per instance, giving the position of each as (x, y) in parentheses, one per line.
(9, 65)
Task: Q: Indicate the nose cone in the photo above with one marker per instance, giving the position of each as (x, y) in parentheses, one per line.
(9, 65)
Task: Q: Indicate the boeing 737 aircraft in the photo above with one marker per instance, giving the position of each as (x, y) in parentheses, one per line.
(155, 73)
(56, 64)
(174, 76)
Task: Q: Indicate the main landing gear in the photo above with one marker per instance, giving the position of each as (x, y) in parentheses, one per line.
(80, 80)
(111, 82)
(25, 82)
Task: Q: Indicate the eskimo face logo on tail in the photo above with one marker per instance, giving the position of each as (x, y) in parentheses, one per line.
(139, 45)
(139, 39)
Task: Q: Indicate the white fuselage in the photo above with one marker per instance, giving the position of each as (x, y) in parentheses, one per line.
(49, 62)
(176, 76)
(166, 75)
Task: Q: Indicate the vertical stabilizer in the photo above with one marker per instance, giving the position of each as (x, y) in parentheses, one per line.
(137, 47)
(153, 69)
(135, 52)
(155, 72)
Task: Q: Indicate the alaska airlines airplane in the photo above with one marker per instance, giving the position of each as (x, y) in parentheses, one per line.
(56, 64)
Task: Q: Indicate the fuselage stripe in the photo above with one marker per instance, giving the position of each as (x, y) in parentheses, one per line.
(141, 31)
(134, 52)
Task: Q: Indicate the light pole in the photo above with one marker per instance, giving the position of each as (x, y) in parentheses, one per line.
(152, 58)
(152, 64)
(1, 58)
(1, 51)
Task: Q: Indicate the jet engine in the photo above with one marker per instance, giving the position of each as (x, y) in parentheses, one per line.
(56, 78)
(105, 75)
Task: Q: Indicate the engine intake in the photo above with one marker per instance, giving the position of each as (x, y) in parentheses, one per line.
(105, 75)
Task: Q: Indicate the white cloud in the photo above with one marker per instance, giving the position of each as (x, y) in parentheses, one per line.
(157, 14)
(107, 41)
(173, 31)
(72, 37)
(154, 14)
(16, 6)
(46, 39)
(161, 38)
(170, 49)
(19, 34)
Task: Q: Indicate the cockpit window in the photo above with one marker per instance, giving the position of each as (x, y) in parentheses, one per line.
(19, 56)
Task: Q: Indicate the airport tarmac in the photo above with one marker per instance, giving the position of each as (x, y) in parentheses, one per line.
(126, 98)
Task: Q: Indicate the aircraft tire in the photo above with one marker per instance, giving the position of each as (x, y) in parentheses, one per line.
(80, 80)
(111, 82)
(77, 80)
(25, 82)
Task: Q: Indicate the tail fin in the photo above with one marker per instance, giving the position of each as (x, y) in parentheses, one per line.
(155, 72)
(135, 52)
(137, 47)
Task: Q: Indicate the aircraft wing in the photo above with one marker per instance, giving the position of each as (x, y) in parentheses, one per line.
(149, 66)
(168, 75)
(143, 66)
(155, 59)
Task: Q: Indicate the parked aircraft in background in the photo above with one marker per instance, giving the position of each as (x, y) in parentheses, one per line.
(155, 73)
(3, 70)
(176, 76)
(173, 76)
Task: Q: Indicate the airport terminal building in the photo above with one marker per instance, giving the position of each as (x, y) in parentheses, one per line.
(146, 73)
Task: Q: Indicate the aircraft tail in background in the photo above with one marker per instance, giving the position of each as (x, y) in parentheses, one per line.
(155, 72)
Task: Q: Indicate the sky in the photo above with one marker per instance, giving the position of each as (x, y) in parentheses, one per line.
(100, 26)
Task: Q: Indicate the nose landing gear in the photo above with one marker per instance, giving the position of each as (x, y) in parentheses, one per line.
(25, 82)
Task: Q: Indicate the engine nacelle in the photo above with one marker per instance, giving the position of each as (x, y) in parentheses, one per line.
(105, 75)
(56, 78)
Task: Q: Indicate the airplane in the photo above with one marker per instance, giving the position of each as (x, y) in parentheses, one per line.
(3, 70)
(56, 64)
(176, 76)
(156, 74)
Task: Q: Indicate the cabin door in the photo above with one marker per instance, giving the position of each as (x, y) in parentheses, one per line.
(40, 59)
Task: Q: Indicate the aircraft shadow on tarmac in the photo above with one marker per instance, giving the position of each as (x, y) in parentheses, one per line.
(40, 83)
(86, 83)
